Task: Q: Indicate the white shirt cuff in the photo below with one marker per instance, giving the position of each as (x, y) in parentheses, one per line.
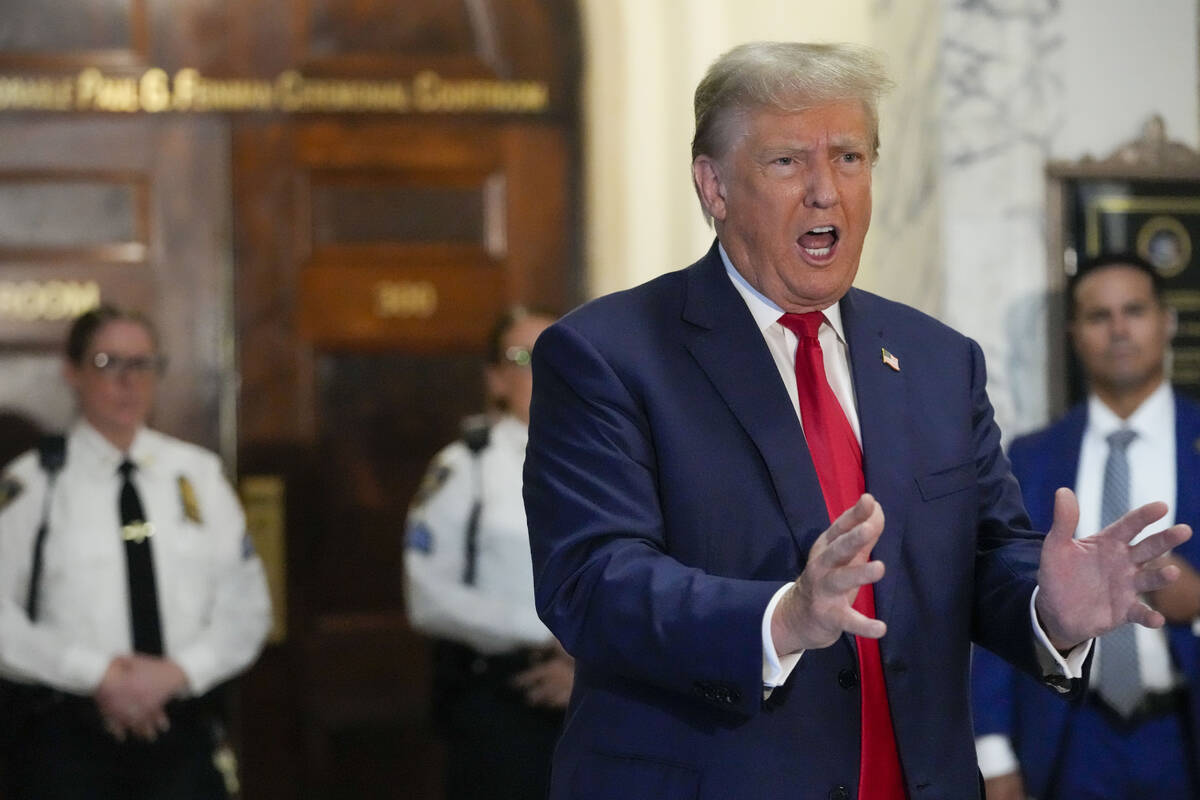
(776, 668)
(83, 668)
(996, 756)
(1049, 659)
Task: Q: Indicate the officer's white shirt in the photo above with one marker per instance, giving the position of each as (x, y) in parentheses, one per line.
(1152, 476)
(496, 614)
(212, 593)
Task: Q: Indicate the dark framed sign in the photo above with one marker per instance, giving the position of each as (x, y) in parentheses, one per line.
(1145, 198)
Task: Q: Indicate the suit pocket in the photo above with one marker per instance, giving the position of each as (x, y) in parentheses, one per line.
(947, 481)
(604, 776)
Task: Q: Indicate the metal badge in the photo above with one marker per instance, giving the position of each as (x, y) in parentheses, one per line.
(187, 499)
(137, 532)
(10, 489)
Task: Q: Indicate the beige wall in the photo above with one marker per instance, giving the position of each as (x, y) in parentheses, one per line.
(642, 61)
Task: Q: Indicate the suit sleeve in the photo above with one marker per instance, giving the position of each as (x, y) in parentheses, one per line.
(606, 583)
(1008, 551)
(992, 678)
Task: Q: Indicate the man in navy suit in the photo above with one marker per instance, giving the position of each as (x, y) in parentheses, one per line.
(708, 574)
(1030, 741)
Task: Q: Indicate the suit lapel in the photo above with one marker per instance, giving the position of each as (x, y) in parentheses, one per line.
(729, 347)
(1062, 462)
(888, 466)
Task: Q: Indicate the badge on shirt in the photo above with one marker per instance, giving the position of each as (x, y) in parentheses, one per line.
(435, 476)
(187, 499)
(10, 489)
(248, 551)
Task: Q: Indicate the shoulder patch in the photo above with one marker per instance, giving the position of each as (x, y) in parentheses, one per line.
(435, 477)
(10, 489)
(248, 551)
(419, 538)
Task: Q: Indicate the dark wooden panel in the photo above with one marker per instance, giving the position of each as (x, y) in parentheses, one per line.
(401, 208)
(383, 416)
(66, 34)
(540, 271)
(425, 308)
(66, 211)
(435, 27)
(276, 403)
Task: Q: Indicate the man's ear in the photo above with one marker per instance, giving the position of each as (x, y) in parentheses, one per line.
(1172, 323)
(709, 186)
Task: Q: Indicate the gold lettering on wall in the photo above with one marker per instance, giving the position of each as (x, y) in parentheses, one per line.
(154, 91)
(405, 299)
(47, 301)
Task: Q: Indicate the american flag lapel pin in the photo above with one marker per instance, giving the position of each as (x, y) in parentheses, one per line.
(890, 359)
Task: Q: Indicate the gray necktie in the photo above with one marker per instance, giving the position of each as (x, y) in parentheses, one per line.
(1120, 683)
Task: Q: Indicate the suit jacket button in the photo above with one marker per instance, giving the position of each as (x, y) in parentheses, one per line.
(847, 679)
(839, 792)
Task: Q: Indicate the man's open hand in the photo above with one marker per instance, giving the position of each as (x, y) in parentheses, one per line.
(818, 608)
(1091, 586)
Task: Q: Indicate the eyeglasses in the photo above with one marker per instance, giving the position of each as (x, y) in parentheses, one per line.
(518, 356)
(137, 366)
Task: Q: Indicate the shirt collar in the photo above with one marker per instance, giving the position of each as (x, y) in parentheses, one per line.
(1153, 420)
(511, 430)
(765, 312)
(101, 451)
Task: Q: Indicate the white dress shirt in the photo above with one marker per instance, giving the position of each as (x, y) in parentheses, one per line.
(782, 344)
(497, 613)
(212, 594)
(1152, 476)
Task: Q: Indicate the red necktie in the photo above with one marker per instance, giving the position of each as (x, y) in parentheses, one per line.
(837, 458)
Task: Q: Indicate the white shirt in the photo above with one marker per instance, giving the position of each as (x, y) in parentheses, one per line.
(782, 343)
(497, 613)
(1152, 476)
(212, 595)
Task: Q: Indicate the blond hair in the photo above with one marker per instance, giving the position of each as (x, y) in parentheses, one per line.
(788, 76)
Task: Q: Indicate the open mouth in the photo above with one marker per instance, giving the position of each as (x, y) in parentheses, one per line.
(819, 243)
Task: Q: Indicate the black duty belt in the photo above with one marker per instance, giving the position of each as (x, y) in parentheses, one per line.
(1152, 706)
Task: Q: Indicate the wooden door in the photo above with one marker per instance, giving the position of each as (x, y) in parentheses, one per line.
(134, 213)
(324, 278)
(374, 258)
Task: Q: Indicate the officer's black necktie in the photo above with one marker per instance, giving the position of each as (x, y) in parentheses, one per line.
(143, 596)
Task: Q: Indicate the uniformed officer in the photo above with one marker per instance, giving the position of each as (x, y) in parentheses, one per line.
(148, 595)
(501, 680)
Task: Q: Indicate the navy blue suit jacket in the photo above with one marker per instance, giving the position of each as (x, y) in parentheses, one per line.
(1009, 703)
(670, 494)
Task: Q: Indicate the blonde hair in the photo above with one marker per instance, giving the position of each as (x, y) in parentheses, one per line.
(788, 76)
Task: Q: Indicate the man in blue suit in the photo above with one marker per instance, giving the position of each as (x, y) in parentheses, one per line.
(724, 592)
(1031, 742)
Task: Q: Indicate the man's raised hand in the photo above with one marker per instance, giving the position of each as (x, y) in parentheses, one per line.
(817, 610)
(1093, 585)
